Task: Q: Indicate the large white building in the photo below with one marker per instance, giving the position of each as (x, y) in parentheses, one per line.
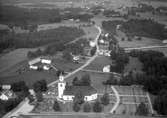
(68, 92)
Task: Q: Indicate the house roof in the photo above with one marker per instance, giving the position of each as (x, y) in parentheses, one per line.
(85, 90)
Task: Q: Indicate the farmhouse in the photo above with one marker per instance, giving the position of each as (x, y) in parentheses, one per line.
(68, 93)
(106, 68)
(6, 93)
(40, 63)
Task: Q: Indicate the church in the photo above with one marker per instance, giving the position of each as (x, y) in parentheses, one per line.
(68, 93)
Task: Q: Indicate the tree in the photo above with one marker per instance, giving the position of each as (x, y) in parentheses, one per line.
(39, 96)
(85, 80)
(142, 109)
(75, 81)
(97, 107)
(76, 107)
(79, 98)
(40, 86)
(22, 88)
(93, 51)
(105, 100)
(160, 103)
(86, 107)
(56, 106)
(31, 98)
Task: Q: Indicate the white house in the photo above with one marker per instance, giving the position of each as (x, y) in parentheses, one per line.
(44, 63)
(106, 68)
(164, 41)
(3, 97)
(6, 87)
(68, 92)
(92, 43)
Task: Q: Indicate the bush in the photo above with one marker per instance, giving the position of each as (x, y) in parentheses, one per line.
(56, 106)
(76, 107)
(40, 86)
(39, 96)
(142, 109)
(97, 107)
(105, 100)
(87, 107)
(160, 103)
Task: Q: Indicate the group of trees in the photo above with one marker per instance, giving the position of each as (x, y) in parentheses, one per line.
(111, 26)
(121, 59)
(144, 27)
(56, 39)
(137, 27)
(111, 13)
(154, 64)
(23, 17)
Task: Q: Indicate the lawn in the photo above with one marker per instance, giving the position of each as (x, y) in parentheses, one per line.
(130, 90)
(145, 41)
(99, 63)
(29, 77)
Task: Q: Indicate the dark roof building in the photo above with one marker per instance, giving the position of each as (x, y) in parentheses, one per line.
(85, 90)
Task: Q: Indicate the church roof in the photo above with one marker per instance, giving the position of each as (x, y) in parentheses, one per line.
(85, 90)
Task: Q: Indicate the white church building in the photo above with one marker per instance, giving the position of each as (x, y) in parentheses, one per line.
(68, 93)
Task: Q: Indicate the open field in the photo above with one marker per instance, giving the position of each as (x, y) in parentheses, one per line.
(65, 65)
(130, 90)
(30, 77)
(99, 63)
(136, 43)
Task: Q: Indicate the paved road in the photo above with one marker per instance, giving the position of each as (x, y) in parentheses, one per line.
(117, 98)
(145, 47)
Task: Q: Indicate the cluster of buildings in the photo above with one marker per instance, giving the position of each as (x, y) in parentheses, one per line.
(6, 93)
(40, 63)
(104, 44)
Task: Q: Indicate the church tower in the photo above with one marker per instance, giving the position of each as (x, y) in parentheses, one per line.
(61, 86)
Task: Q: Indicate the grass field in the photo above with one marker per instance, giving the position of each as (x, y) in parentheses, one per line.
(99, 63)
(29, 77)
(136, 43)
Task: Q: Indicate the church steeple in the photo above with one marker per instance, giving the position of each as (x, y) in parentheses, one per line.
(61, 86)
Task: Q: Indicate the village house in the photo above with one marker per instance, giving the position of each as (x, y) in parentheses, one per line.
(68, 93)
(37, 63)
(6, 92)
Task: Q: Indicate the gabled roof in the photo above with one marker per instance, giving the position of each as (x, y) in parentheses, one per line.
(85, 90)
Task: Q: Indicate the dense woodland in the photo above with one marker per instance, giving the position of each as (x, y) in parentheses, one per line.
(56, 37)
(136, 27)
(23, 17)
(147, 28)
